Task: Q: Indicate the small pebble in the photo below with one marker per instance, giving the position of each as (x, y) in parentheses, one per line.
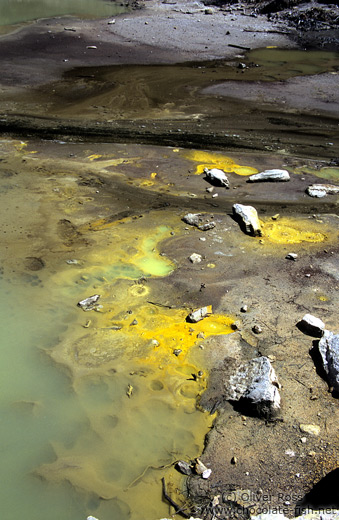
(256, 329)
(292, 256)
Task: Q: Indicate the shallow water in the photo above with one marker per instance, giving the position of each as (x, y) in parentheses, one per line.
(18, 11)
(182, 91)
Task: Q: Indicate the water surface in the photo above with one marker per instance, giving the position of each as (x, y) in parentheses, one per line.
(18, 11)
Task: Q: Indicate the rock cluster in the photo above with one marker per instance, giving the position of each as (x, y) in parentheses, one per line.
(327, 346)
(321, 190)
(199, 220)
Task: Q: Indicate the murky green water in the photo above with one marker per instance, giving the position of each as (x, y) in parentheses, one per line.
(17, 11)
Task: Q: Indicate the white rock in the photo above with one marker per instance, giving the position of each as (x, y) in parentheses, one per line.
(311, 325)
(88, 304)
(321, 190)
(199, 314)
(217, 177)
(249, 218)
(195, 258)
(292, 256)
(206, 474)
(270, 176)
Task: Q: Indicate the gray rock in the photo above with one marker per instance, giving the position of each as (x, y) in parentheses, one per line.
(311, 325)
(257, 383)
(329, 350)
(199, 314)
(248, 217)
(207, 226)
(270, 176)
(89, 304)
(193, 219)
(321, 190)
(184, 467)
(198, 220)
(217, 177)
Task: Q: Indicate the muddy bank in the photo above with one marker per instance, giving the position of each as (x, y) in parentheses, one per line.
(65, 77)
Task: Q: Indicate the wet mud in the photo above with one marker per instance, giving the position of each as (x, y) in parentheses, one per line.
(101, 158)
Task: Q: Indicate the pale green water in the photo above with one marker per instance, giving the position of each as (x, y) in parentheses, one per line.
(17, 11)
(36, 406)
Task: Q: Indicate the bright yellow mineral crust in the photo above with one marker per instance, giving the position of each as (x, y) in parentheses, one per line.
(292, 231)
(214, 160)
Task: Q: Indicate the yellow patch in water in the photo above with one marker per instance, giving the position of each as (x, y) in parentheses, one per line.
(94, 156)
(291, 231)
(214, 160)
(146, 183)
(134, 250)
(323, 298)
(19, 145)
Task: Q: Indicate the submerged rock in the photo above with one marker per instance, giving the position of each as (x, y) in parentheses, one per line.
(199, 314)
(321, 190)
(217, 177)
(329, 351)
(249, 219)
(88, 304)
(270, 176)
(311, 325)
(256, 383)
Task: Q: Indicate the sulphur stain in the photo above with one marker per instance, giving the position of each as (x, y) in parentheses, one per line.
(165, 330)
(293, 231)
(136, 247)
(215, 160)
